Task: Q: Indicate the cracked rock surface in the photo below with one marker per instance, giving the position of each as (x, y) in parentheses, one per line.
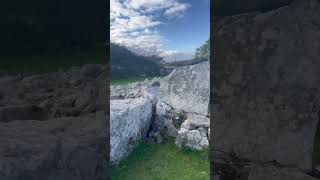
(266, 90)
(158, 107)
(54, 126)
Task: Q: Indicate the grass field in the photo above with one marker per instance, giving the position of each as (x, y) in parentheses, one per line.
(52, 61)
(163, 162)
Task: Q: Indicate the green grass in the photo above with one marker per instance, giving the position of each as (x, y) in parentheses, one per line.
(38, 64)
(128, 80)
(163, 162)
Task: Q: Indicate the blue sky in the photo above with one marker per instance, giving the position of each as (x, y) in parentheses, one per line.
(191, 31)
(172, 29)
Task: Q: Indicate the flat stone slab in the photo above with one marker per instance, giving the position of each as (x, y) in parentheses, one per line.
(129, 123)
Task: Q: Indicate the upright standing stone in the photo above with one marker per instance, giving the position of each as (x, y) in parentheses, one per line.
(267, 85)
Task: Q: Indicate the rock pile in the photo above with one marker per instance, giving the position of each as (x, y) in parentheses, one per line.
(266, 92)
(175, 106)
(54, 126)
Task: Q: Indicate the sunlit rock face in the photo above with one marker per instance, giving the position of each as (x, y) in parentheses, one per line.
(158, 107)
(184, 96)
(130, 121)
(187, 88)
(267, 85)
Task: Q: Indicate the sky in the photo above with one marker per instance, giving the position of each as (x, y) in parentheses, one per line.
(172, 29)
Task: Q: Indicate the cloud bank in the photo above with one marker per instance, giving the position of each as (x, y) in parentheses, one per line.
(133, 24)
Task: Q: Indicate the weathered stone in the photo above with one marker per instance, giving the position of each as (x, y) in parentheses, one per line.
(129, 121)
(277, 62)
(187, 88)
(26, 112)
(64, 148)
(198, 120)
(193, 139)
(168, 119)
(158, 137)
(277, 173)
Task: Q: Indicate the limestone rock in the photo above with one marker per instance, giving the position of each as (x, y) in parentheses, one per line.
(168, 119)
(129, 121)
(187, 88)
(193, 139)
(270, 112)
(65, 148)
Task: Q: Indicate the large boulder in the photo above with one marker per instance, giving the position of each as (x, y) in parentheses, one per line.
(187, 88)
(183, 104)
(69, 148)
(266, 87)
(194, 132)
(129, 123)
(167, 119)
(193, 139)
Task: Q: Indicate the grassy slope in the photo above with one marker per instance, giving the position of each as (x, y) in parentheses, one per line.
(52, 62)
(163, 161)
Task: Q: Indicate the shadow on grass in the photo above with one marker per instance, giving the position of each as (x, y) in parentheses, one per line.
(163, 161)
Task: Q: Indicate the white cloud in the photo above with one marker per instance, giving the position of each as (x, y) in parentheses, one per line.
(133, 23)
(177, 10)
(176, 55)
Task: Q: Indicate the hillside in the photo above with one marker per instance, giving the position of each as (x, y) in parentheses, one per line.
(125, 64)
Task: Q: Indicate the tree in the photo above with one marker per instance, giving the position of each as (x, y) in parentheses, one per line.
(203, 53)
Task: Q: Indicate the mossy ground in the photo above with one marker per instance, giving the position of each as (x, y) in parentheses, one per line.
(163, 162)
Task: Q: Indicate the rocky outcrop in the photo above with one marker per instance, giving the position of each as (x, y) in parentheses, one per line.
(187, 88)
(266, 90)
(65, 93)
(54, 126)
(194, 132)
(131, 115)
(155, 108)
(130, 121)
(62, 148)
(184, 98)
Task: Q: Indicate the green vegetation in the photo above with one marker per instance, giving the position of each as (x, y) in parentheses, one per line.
(125, 81)
(48, 62)
(203, 52)
(126, 64)
(163, 161)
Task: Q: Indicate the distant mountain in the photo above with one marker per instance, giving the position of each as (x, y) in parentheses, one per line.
(125, 64)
